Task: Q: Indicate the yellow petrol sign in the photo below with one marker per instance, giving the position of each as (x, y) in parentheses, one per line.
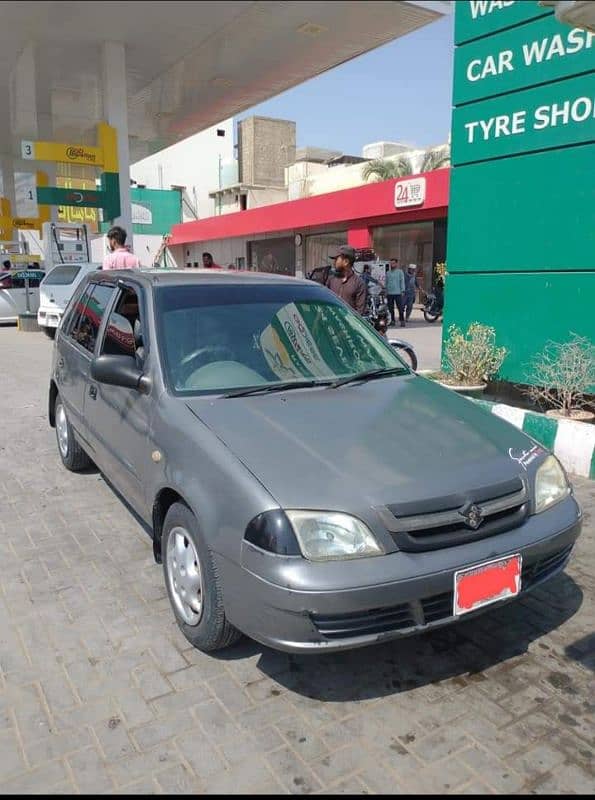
(64, 153)
(105, 155)
(8, 224)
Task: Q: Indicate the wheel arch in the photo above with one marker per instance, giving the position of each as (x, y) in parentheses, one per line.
(164, 500)
(52, 403)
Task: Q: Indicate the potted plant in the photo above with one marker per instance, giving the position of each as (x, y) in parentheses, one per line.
(471, 359)
(563, 374)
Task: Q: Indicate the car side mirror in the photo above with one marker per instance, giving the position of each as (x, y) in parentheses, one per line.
(119, 371)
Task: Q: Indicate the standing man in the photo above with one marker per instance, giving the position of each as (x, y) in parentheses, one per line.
(395, 289)
(345, 282)
(208, 263)
(119, 256)
(411, 284)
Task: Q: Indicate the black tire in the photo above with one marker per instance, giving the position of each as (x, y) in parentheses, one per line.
(213, 631)
(412, 358)
(74, 459)
(49, 332)
(406, 353)
(430, 317)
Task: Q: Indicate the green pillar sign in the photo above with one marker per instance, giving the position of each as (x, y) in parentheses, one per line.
(107, 199)
(532, 54)
(521, 233)
(550, 116)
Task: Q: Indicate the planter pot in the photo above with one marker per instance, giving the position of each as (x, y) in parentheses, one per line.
(470, 389)
(577, 415)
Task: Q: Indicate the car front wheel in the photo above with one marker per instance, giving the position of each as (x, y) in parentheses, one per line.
(192, 582)
(72, 454)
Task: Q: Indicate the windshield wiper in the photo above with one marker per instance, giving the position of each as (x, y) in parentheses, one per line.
(370, 375)
(278, 387)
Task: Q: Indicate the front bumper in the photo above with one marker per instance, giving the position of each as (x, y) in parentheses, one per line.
(297, 606)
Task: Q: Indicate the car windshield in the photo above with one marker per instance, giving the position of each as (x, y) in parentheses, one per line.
(62, 275)
(216, 338)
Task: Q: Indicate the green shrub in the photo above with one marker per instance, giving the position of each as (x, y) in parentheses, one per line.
(473, 357)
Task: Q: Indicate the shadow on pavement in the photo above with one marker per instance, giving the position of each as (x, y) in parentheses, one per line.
(464, 649)
(583, 651)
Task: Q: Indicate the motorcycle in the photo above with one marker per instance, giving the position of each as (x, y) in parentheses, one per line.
(434, 305)
(377, 313)
(378, 316)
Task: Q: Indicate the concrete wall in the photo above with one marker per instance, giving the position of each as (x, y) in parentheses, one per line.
(193, 163)
(230, 202)
(145, 247)
(305, 179)
(266, 147)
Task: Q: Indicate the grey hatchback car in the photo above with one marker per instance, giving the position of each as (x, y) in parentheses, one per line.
(302, 485)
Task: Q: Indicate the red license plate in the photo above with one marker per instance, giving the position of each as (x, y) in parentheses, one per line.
(486, 583)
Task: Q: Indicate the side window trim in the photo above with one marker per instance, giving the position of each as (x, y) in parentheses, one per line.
(83, 301)
(70, 310)
(90, 288)
(141, 294)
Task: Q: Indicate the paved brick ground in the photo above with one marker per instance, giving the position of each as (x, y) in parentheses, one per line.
(99, 692)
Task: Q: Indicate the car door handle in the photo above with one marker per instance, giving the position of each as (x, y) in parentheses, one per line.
(93, 392)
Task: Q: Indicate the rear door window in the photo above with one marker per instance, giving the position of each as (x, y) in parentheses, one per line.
(62, 275)
(91, 308)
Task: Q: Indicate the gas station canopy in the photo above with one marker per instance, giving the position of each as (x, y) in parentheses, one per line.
(187, 65)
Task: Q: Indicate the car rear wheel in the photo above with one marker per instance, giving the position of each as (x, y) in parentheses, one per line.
(192, 583)
(72, 454)
(49, 332)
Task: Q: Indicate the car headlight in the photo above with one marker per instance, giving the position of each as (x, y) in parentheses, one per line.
(551, 485)
(330, 536)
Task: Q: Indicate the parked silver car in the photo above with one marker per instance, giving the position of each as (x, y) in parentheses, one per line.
(302, 484)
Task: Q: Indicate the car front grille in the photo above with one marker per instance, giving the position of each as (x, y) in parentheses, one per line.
(428, 611)
(457, 519)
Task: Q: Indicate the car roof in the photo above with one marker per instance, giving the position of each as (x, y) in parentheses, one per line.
(95, 264)
(205, 277)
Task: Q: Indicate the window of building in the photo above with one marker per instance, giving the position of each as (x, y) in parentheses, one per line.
(411, 243)
(273, 255)
(243, 202)
(320, 247)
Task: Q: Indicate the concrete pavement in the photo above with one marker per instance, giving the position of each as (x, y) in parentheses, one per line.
(425, 337)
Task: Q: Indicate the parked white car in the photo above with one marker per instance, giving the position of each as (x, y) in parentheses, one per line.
(13, 293)
(56, 290)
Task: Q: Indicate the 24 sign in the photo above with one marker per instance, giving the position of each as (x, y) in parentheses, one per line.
(409, 193)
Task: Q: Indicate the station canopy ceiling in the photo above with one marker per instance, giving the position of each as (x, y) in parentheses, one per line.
(189, 64)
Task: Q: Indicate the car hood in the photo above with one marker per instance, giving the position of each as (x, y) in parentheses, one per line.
(397, 439)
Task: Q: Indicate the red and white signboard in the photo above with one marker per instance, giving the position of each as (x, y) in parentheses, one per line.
(411, 192)
(486, 583)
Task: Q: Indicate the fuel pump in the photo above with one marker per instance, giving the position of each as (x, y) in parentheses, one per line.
(65, 243)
